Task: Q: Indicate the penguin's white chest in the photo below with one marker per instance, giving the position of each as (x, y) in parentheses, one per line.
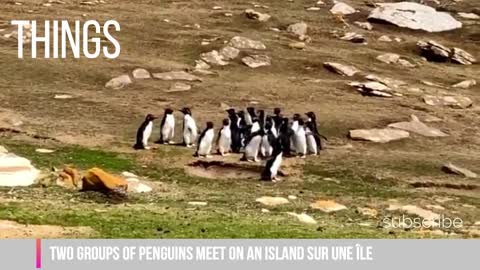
(168, 129)
(301, 141)
(252, 148)
(189, 130)
(255, 127)
(147, 133)
(225, 138)
(276, 165)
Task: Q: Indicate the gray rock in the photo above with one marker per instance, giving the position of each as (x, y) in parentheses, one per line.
(343, 70)
(297, 45)
(214, 58)
(256, 61)
(179, 87)
(354, 37)
(298, 29)
(141, 73)
(393, 83)
(119, 82)
(379, 135)
(341, 8)
(385, 38)
(414, 16)
(365, 25)
(229, 53)
(372, 89)
(176, 76)
(459, 102)
(416, 126)
(462, 57)
(200, 64)
(393, 58)
(257, 16)
(468, 16)
(3, 150)
(465, 84)
(243, 43)
(450, 168)
(435, 51)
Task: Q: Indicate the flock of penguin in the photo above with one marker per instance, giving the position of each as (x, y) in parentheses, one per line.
(254, 133)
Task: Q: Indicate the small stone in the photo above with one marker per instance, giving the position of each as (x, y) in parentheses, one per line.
(44, 151)
(328, 206)
(450, 168)
(200, 64)
(198, 203)
(434, 207)
(459, 102)
(297, 45)
(416, 126)
(176, 76)
(229, 53)
(365, 25)
(292, 197)
(298, 29)
(254, 15)
(256, 61)
(385, 38)
(140, 73)
(272, 201)
(313, 9)
(354, 37)
(265, 210)
(465, 84)
(341, 8)
(367, 211)
(179, 87)
(214, 58)
(304, 218)
(343, 70)
(469, 16)
(119, 82)
(378, 135)
(62, 96)
(243, 43)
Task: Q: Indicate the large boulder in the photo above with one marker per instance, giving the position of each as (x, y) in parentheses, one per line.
(416, 126)
(16, 171)
(378, 135)
(414, 16)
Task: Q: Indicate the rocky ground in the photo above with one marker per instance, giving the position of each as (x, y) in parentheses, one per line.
(364, 86)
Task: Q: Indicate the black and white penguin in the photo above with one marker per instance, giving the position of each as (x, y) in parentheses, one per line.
(301, 139)
(250, 115)
(205, 141)
(224, 138)
(144, 132)
(277, 118)
(272, 166)
(312, 138)
(167, 127)
(271, 126)
(313, 119)
(294, 128)
(235, 130)
(266, 148)
(190, 131)
(252, 146)
(255, 125)
(261, 118)
(284, 137)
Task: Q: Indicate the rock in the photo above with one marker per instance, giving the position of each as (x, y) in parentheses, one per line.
(292, 197)
(297, 45)
(176, 76)
(257, 16)
(435, 207)
(353, 37)
(428, 216)
(462, 57)
(119, 82)
(393, 58)
(256, 61)
(265, 210)
(135, 186)
(416, 126)
(328, 206)
(459, 102)
(304, 218)
(272, 201)
(367, 211)
(378, 135)
(372, 89)
(229, 53)
(98, 180)
(385, 38)
(243, 43)
(450, 168)
(179, 87)
(16, 171)
(341, 8)
(44, 151)
(198, 203)
(465, 84)
(343, 70)
(469, 16)
(432, 119)
(3, 150)
(386, 81)
(298, 29)
(313, 9)
(414, 16)
(200, 64)
(61, 96)
(214, 58)
(435, 51)
(140, 73)
(365, 25)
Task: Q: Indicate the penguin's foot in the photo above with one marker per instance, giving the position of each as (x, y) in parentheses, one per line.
(189, 145)
(171, 142)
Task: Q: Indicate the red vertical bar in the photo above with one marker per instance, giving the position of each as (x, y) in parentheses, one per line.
(39, 253)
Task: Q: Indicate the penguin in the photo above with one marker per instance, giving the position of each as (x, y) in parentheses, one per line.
(271, 126)
(190, 130)
(252, 146)
(167, 127)
(272, 166)
(312, 138)
(285, 136)
(255, 126)
(277, 118)
(266, 147)
(235, 130)
(318, 138)
(205, 141)
(242, 123)
(250, 115)
(224, 138)
(294, 129)
(301, 139)
(261, 118)
(144, 132)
